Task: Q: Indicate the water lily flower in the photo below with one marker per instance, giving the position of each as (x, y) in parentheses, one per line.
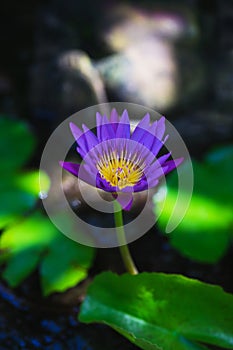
(118, 161)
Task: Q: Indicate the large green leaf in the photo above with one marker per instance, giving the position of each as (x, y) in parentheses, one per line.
(158, 311)
(16, 144)
(19, 193)
(205, 232)
(35, 240)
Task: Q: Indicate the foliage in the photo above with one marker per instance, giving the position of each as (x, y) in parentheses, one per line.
(158, 311)
(19, 194)
(36, 241)
(29, 239)
(206, 230)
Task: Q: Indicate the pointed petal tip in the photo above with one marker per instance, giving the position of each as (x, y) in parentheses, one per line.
(114, 114)
(98, 118)
(162, 119)
(171, 165)
(75, 130)
(85, 128)
(105, 119)
(179, 161)
(71, 124)
(125, 117)
(98, 114)
(147, 116)
(144, 122)
(114, 117)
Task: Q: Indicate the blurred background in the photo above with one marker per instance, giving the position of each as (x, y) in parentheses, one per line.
(58, 57)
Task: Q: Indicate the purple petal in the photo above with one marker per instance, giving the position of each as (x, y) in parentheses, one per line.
(104, 185)
(124, 118)
(78, 171)
(156, 147)
(75, 131)
(125, 200)
(146, 184)
(105, 129)
(141, 128)
(70, 167)
(171, 164)
(150, 142)
(123, 129)
(163, 158)
(90, 161)
(98, 125)
(160, 130)
(153, 183)
(155, 163)
(154, 171)
(91, 139)
(79, 137)
(81, 152)
(142, 185)
(114, 119)
(149, 137)
(144, 155)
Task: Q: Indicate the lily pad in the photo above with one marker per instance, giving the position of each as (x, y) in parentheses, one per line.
(206, 231)
(62, 262)
(159, 311)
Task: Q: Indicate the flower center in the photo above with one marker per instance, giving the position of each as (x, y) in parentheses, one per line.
(119, 172)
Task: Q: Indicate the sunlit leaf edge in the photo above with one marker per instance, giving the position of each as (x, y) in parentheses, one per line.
(40, 246)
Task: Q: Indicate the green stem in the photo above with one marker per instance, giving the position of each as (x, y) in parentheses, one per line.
(124, 250)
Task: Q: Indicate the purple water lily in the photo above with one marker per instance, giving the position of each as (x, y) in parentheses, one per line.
(118, 161)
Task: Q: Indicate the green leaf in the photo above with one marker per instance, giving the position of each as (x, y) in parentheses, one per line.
(220, 162)
(19, 194)
(19, 266)
(30, 182)
(159, 311)
(14, 202)
(204, 233)
(16, 144)
(63, 263)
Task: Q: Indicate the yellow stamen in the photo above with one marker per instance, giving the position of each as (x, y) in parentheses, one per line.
(119, 171)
